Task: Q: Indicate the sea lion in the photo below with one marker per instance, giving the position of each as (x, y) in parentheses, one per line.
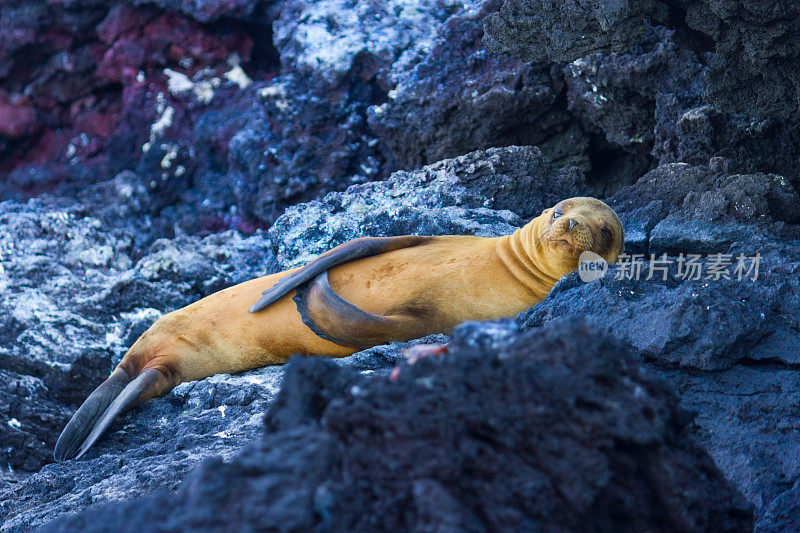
(363, 293)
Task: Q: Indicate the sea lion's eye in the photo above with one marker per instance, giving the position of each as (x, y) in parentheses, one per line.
(556, 213)
(607, 235)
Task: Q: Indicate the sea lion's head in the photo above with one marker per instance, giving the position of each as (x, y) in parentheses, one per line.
(576, 225)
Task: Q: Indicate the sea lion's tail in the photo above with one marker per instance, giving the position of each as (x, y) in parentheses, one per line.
(92, 418)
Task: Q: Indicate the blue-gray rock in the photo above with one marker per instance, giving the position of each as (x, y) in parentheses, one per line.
(458, 98)
(752, 54)
(729, 345)
(560, 428)
(75, 292)
(485, 193)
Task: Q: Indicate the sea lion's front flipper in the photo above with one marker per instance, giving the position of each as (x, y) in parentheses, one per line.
(349, 251)
(92, 418)
(335, 319)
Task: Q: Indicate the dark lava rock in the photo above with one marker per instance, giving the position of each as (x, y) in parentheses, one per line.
(729, 346)
(561, 428)
(484, 193)
(331, 40)
(783, 514)
(309, 134)
(625, 96)
(756, 43)
(228, 110)
(77, 290)
(74, 74)
(565, 30)
(679, 208)
(305, 140)
(693, 132)
(207, 10)
(728, 343)
(459, 98)
(647, 104)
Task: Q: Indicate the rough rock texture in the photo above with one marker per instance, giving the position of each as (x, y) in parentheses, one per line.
(83, 84)
(473, 441)
(729, 345)
(133, 283)
(229, 110)
(756, 43)
(78, 289)
(565, 30)
(310, 136)
(154, 123)
(720, 208)
(626, 96)
(482, 193)
(746, 332)
(460, 98)
(647, 107)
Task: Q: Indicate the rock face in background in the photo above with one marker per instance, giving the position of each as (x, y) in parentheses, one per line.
(86, 86)
(565, 31)
(310, 135)
(649, 91)
(200, 101)
(756, 43)
(459, 98)
(473, 440)
(158, 126)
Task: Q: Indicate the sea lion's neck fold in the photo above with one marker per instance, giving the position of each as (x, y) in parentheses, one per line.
(522, 253)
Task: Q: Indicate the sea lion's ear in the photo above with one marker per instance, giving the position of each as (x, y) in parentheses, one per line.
(546, 210)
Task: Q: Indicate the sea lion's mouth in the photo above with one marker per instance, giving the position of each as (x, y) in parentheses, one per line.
(555, 241)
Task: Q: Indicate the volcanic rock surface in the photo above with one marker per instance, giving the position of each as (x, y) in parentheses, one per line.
(472, 440)
(154, 151)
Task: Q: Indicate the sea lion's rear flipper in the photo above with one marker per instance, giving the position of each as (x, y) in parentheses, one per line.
(349, 251)
(335, 319)
(92, 418)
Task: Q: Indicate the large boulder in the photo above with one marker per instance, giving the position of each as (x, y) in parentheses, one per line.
(560, 428)
(458, 98)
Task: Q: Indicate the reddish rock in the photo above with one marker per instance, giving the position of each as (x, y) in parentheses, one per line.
(17, 120)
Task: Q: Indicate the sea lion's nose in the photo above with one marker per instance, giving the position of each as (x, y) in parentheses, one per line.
(572, 223)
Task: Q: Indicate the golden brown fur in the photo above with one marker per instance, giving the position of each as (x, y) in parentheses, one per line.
(445, 282)
(428, 288)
